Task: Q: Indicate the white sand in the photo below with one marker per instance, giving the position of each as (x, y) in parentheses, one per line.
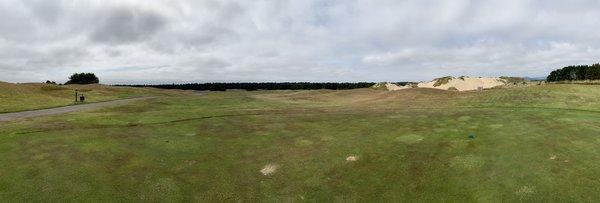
(269, 169)
(469, 83)
(352, 158)
(394, 87)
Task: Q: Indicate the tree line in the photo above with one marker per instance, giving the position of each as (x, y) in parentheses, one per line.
(262, 86)
(579, 72)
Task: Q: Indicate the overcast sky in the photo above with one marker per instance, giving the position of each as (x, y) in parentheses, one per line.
(293, 40)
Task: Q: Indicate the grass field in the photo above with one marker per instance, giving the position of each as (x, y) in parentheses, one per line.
(20, 97)
(537, 143)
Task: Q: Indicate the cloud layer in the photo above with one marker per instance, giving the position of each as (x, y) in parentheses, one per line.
(285, 40)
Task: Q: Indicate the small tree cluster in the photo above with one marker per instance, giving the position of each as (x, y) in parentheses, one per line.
(83, 78)
(580, 72)
(50, 82)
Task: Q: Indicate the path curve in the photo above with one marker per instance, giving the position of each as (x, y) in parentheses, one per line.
(67, 109)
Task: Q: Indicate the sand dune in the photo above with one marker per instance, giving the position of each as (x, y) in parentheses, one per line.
(463, 83)
(394, 87)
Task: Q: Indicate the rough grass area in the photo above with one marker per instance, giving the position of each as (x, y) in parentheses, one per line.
(379, 86)
(442, 81)
(583, 82)
(514, 80)
(531, 144)
(20, 97)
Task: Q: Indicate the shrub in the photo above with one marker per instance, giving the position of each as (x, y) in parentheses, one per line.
(452, 89)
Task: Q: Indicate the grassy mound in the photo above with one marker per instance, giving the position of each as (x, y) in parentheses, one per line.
(442, 81)
(379, 86)
(28, 96)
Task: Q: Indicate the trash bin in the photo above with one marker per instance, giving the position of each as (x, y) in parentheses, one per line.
(81, 98)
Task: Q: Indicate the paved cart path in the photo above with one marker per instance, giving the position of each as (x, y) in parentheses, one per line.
(67, 109)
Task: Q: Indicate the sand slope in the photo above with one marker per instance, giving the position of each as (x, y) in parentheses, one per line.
(465, 83)
(394, 87)
(389, 86)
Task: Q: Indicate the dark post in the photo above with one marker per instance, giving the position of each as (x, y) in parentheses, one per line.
(76, 95)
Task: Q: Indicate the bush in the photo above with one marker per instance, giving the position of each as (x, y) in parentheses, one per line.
(83, 78)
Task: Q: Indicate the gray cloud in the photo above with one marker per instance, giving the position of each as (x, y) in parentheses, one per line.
(292, 40)
(127, 25)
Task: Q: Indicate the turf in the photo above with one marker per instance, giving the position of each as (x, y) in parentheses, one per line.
(534, 144)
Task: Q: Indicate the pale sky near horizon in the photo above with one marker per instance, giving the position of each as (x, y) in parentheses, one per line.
(141, 41)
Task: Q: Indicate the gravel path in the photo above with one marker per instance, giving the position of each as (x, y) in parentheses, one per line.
(66, 109)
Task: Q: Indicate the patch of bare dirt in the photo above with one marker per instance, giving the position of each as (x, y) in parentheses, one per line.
(269, 169)
(352, 158)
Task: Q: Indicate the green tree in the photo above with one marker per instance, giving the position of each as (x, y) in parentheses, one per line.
(593, 72)
(83, 78)
(579, 72)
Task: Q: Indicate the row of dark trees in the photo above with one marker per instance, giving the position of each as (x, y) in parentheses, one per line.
(580, 72)
(262, 86)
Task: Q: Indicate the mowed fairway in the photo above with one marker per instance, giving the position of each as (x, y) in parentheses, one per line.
(538, 143)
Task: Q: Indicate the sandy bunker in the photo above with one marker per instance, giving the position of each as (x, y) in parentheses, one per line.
(462, 83)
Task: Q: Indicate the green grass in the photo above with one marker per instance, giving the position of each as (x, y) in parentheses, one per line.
(20, 97)
(533, 144)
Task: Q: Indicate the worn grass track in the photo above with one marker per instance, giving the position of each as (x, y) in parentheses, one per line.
(66, 109)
